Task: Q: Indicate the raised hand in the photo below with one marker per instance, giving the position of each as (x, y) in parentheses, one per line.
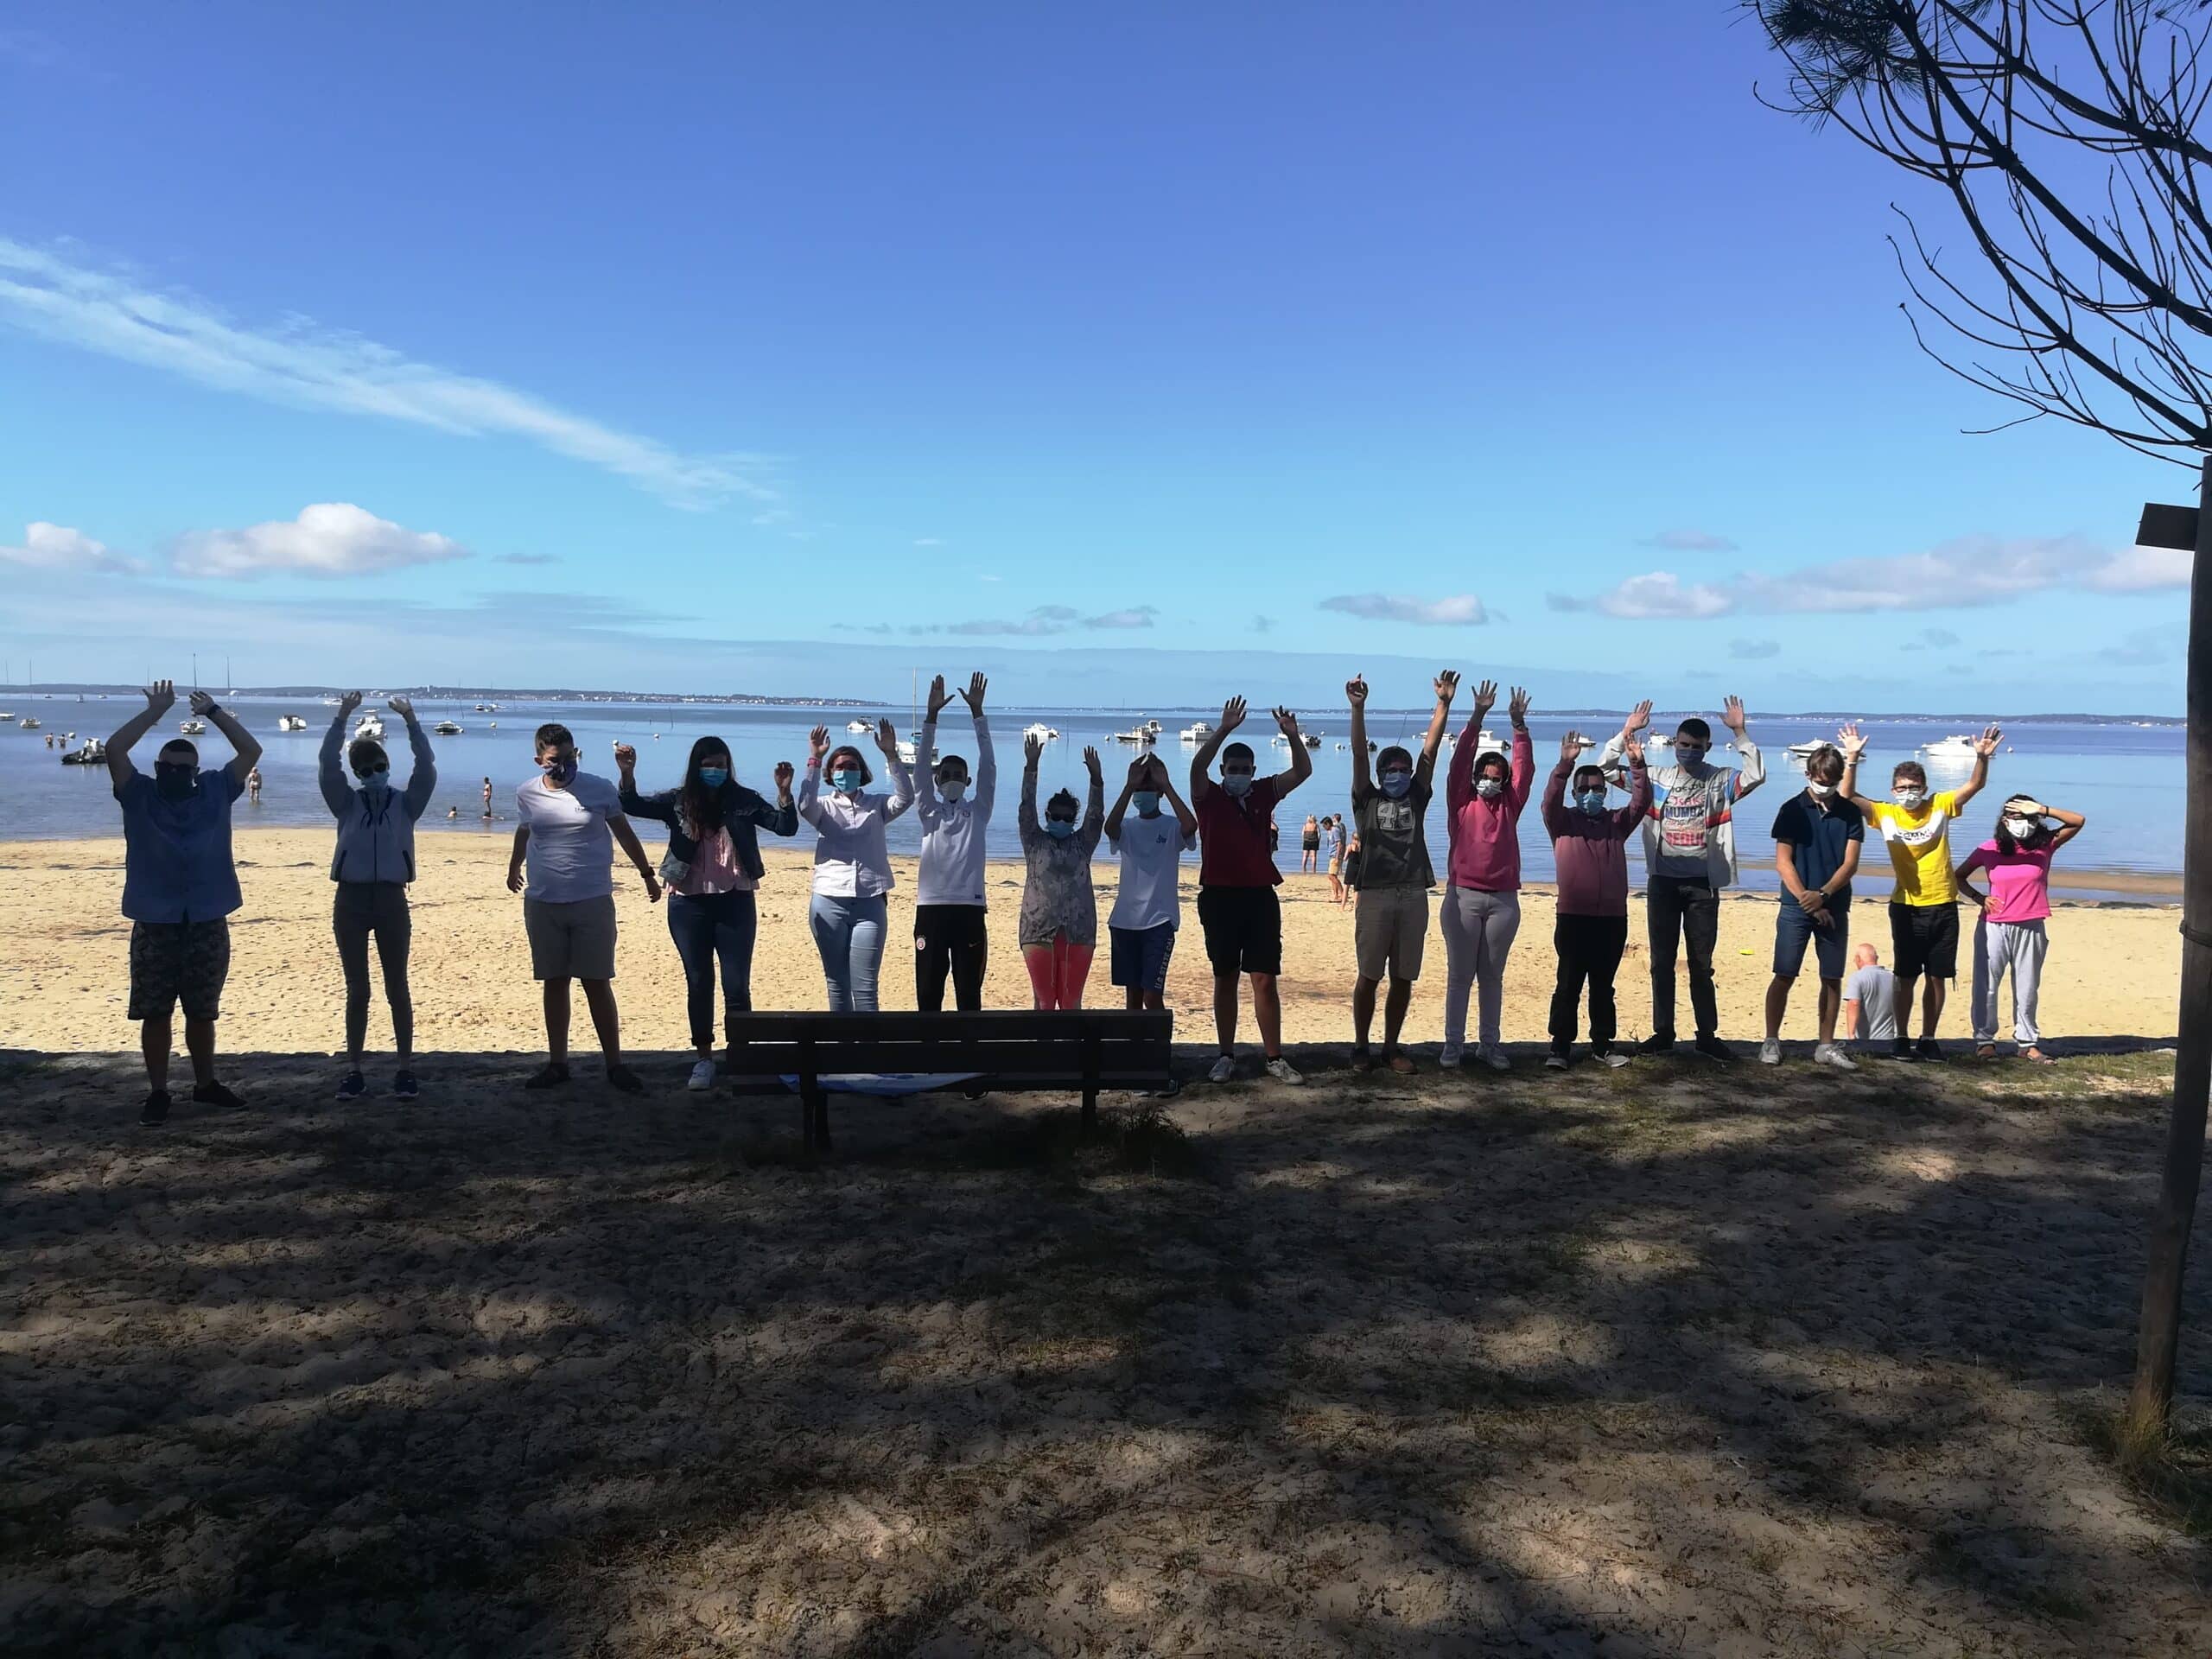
(403, 706)
(818, 741)
(1852, 740)
(1447, 685)
(1287, 723)
(625, 757)
(1355, 691)
(1572, 745)
(349, 702)
(973, 696)
(161, 697)
(1232, 716)
(938, 697)
(1986, 745)
(1485, 699)
(887, 737)
(1732, 714)
(1140, 769)
(1031, 746)
(1638, 718)
(783, 776)
(1518, 706)
(201, 702)
(1090, 759)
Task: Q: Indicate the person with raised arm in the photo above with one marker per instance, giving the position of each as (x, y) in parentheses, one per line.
(179, 886)
(1589, 855)
(712, 868)
(372, 864)
(1924, 906)
(568, 823)
(1059, 909)
(1239, 910)
(1389, 929)
(1484, 795)
(852, 866)
(1818, 836)
(949, 936)
(2011, 935)
(1689, 857)
(1147, 905)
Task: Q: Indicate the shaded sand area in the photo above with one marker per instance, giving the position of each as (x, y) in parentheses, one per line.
(63, 975)
(1636, 1362)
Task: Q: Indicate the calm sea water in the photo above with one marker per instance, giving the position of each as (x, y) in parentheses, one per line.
(2128, 779)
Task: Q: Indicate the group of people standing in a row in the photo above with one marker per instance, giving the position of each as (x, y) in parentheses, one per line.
(181, 883)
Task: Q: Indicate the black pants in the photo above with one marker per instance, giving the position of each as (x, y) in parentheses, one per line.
(1689, 909)
(1588, 948)
(949, 937)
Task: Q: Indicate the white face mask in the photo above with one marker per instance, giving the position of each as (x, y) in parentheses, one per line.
(953, 788)
(1910, 799)
(2020, 829)
(1821, 791)
(1489, 789)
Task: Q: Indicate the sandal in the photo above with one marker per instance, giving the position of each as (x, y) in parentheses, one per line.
(1401, 1063)
(1985, 1051)
(2037, 1056)
(1362, 1060)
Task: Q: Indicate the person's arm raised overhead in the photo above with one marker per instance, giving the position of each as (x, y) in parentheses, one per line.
(987, 762)
(1626, 818)
(1186, 820)
(782, 820)
(634, 850)
(810, 786)
(1520, 772)
(2070, 824)
(1852, 742)
(329, 770)
(626, 783)
(902, 778)
(1553, 809)
(1752, 773)
(925, 798)
(1984, 747)
(244, 745)
(1446, 687)
(1232, 716)
(1093, 812)
(161, 697)
(1301, 757)
(1025, 815)
(1138, 774)
(423, 777)
(1459, 776)
(1355, 694)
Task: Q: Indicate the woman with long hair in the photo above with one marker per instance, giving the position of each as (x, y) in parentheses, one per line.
(2010, 934)
(712, 869)
(1484, 794)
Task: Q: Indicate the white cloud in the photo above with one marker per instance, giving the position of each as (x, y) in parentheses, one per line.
(1461, 610)
(1753, 651)
(2138, 569)
(300, 364)
(1045, 620)
(333, 538)
(1661, 593)
(929, 541)
(53, 547)
(1689, 541)
(1140, 616)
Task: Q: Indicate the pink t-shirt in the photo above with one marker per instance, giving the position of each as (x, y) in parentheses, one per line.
(715, 869)
(2019, 881)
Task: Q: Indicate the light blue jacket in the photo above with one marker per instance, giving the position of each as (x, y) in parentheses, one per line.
(375, 843)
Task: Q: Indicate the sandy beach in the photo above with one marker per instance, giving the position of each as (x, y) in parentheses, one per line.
(63, 981)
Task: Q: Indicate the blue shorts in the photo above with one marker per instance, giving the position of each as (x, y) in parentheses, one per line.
(1141, 954)
(1794, 931)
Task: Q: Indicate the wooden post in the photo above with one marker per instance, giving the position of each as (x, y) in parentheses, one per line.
(1089, 1123)
(2150, 1404)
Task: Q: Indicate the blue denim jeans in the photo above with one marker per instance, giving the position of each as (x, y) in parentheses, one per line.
(848, 932)
(714, 926)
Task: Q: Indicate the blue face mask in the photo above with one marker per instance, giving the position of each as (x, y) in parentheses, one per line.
(1238, 783)
(1058, 829)
(376, 782)
(714, 777)
(1146, 802)
(953, 788)
(561, 771)
(1590, 800)
(1397, 784)
(846, 777)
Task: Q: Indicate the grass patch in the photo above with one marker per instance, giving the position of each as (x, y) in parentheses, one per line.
(2173, 1477)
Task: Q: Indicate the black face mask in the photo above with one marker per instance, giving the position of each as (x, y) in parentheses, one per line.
(174, 783)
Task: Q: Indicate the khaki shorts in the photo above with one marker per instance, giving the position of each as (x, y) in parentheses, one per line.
(1388, 931)
(573, 941)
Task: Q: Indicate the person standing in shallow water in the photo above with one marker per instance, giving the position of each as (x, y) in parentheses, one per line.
(179, 886)
(1309, 845)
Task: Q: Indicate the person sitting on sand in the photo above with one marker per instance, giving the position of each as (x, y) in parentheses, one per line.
(950, 936)
(1590, 858)
(1689, 857)
(566, 820)
(2013, 912)
(1309, 843)
(1484, 795)
(1389, 930)
(712, 868)
(1147, 905)
(179, 886)
(1924, 908)
(1239, 908)
(1869, 999)
(372, 864)
(1060, 907)
(1817, 838)
(852, 867)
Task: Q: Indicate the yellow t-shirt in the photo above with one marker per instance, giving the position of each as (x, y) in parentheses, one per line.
(1920, 849)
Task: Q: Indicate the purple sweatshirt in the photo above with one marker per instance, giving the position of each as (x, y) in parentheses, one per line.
(1590, 849)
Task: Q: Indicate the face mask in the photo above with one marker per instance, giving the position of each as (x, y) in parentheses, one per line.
(1821, 791)
(1489, 789)
(174, 783)
(1238, 783)
(847, 779)
(1397, 784)
(1910, 799)
(714, 777)
(953, 788)
(1058, 829)
(561, 771)
(376, 782)
(1590, 800)
(1146, 802)
(1688, 755)
(2020, 829)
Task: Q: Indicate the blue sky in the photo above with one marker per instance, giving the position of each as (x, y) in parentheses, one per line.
(692, 351)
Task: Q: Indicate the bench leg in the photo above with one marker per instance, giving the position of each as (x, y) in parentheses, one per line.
(819, 1141)
(1090, 1112)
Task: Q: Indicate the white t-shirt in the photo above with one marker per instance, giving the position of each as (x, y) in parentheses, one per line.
(571, 851)
(1152, 851)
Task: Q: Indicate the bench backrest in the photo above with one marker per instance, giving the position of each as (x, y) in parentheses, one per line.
(1103, 1048)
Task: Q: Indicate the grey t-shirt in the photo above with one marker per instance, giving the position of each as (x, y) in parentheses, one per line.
(1875, 991)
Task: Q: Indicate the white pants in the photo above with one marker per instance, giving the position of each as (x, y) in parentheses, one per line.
(1996, 946)
(1479, 929)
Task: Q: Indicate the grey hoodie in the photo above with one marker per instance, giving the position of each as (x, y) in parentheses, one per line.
(375, 843)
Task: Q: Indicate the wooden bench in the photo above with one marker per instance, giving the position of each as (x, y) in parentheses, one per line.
(1085, 1049)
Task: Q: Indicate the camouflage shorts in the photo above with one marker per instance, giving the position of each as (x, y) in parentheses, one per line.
(179, 962)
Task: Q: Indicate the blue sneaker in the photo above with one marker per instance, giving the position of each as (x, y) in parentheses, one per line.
(353, 1088)
(404, 1087)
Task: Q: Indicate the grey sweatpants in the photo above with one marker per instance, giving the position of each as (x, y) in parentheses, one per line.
(1996, 946)
(1479, 929)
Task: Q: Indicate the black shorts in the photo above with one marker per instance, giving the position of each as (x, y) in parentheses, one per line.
(179, 962)
(1243, 930)
(1924, 938)
(1141, 956)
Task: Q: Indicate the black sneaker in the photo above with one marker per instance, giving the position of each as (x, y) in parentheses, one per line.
(622, 1077)
(1928, 1049)
(352, 1087)
(551, 1074)
(1655, 1044)
(1556, 1059)
(403, 1086)
(1901, 1050)
(156, 1108)
(214, 1094)
(1713, 1049)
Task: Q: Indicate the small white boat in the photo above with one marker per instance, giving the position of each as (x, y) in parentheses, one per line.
(911, 753)
(291, 723)
(1040, 731)
(858, 725)
(94, 751)
(448, 728)
(1313, 740)
(1196, 732)
(192, 727)
(1958, 747)
(370, 724)
(1136, 735)
(332, 702)
(1656, 747)
(487, 708)
(29, 722)
(1150, 727)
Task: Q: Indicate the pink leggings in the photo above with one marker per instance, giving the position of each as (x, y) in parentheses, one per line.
(1057, 972)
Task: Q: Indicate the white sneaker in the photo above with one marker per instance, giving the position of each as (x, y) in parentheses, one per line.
(1283, 1071)
(1223, 1069)
(1495, 1059)
(1770, 1052)
(1556, 1060)
(702, 1076)
(1829, 1054)
(1613, 1058)
(1448, 1058)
